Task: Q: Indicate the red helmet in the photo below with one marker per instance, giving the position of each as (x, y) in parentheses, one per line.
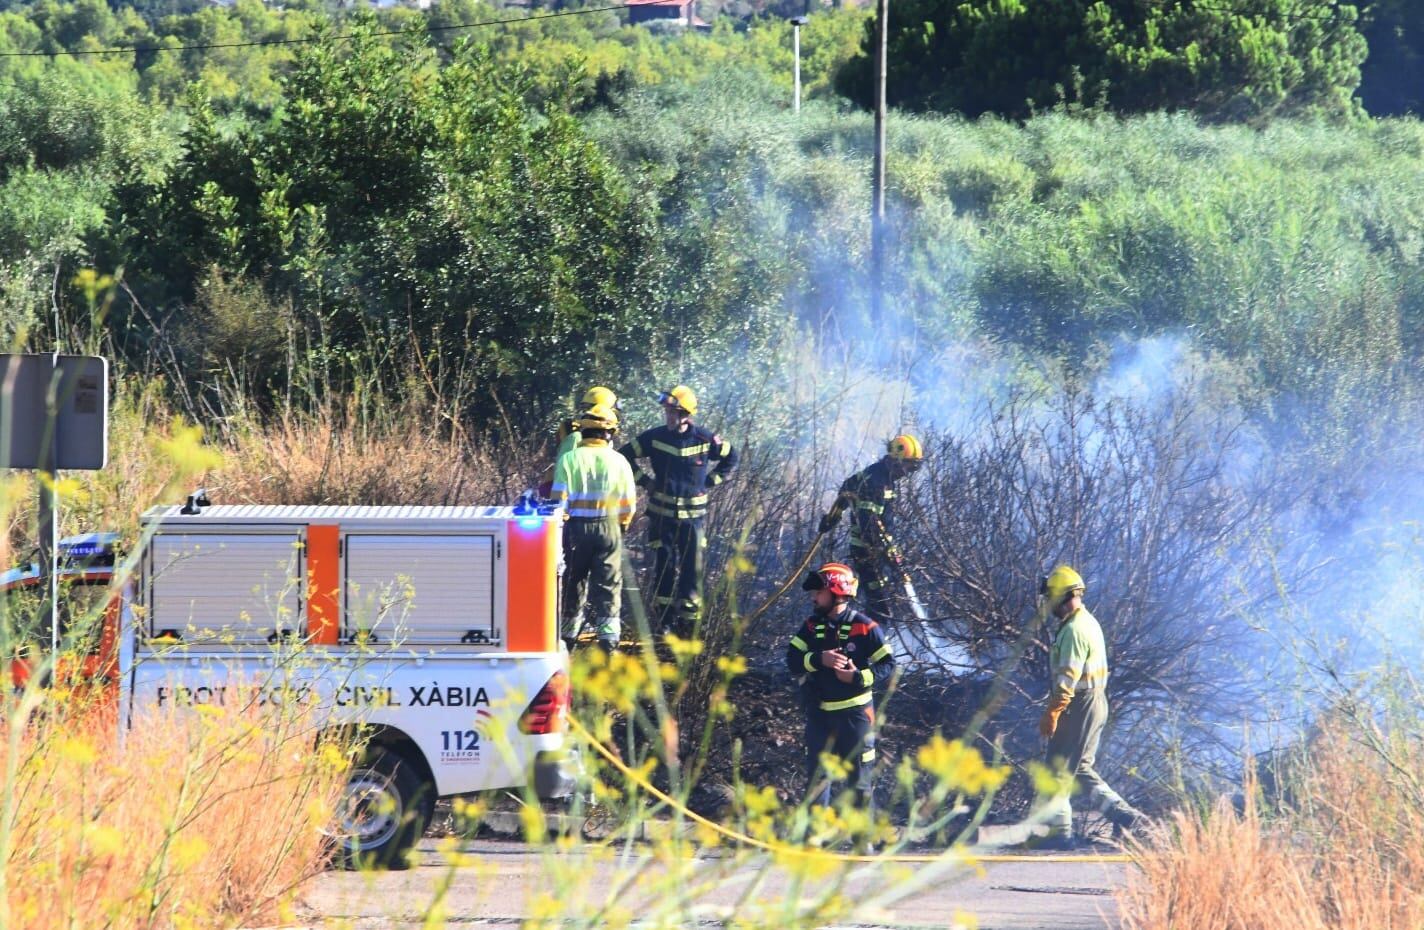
(834, 577)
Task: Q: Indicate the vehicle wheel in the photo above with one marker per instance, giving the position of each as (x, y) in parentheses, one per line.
(383, 812)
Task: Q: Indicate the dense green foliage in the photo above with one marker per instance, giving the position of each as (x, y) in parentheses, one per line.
(1222, 61)
(573, 197)
(389, 196)
(248, 75)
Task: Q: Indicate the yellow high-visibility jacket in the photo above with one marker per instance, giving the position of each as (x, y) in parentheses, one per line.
(596, 482)
(1080, 655)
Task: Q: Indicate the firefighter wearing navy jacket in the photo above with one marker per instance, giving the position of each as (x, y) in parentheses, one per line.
(870, 496)
(686, 461)
(841, 654)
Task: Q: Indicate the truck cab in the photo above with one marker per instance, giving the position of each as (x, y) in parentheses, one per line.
(88, 615)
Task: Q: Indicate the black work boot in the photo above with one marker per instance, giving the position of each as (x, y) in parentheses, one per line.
(1131, 826)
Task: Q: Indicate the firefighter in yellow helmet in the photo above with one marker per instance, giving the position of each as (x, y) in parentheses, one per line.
(567, 436)
(597, 396)
(1077, 707)
(686, 462)
(597, 486)
(870, 496)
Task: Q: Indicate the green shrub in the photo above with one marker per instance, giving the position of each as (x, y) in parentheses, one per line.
(1223, 62)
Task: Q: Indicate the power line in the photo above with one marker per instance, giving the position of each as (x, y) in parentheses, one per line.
(135, 50)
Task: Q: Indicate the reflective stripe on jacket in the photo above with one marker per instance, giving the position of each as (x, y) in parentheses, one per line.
(596, 482)
(684, 465)
(861, 638)
(1079, 659)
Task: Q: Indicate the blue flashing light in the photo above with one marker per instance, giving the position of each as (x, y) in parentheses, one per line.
(529, 523)
(526, 504)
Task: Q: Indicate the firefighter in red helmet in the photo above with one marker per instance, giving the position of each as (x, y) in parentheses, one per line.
(840, 654)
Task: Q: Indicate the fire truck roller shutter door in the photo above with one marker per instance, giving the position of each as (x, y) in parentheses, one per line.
(421, 589)
(191, 589)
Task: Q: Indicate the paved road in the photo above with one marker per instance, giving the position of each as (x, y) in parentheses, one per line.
(506, 883)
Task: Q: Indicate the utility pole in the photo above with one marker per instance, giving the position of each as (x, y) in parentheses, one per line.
(796, 23)
(877, 210)
(47, 529)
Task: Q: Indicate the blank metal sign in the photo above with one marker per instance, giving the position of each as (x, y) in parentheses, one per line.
(79, 416)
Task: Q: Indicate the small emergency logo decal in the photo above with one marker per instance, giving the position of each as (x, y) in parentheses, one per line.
(850, 647)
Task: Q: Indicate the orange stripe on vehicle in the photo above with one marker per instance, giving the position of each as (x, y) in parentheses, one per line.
(532, 571)
(106, 662)
(323, 584)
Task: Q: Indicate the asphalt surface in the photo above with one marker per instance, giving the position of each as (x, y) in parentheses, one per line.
(505, 883)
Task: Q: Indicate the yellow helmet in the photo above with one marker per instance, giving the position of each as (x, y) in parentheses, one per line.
(906, 448)
(598, 417)
(600, 396)
(680, 397)
(1061, 582)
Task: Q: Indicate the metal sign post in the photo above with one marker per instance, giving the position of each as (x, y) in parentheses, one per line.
(54, 413)
(796, 23)
(47, 517)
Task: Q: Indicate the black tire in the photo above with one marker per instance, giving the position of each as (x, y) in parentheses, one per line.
(384, 811)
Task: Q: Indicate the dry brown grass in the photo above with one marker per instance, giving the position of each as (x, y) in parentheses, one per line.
(198, 821)
(1346, 854)
(330, 456)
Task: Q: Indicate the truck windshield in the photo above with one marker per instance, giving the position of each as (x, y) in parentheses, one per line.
(24, 623)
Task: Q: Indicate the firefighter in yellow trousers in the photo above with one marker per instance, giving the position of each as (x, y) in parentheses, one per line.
(597, 485)
(1077, 709)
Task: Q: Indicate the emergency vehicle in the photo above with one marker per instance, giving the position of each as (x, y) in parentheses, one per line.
(433, 629)
(86, 568)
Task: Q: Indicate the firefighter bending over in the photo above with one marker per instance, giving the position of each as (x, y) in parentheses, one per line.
(841, 654)
(870, 495)
(686, 461)
(1077, 709)
(597, 485)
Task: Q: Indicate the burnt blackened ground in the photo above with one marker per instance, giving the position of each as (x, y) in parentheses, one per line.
(764, 740)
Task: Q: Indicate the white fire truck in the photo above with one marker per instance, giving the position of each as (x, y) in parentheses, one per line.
(434, 629)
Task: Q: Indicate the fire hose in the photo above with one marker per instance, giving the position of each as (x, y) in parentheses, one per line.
(790, 580)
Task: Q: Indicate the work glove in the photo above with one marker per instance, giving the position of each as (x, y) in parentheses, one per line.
(1048, 723)
(828, 523)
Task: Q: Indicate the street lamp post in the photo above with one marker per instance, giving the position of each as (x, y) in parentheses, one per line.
(796, 23)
